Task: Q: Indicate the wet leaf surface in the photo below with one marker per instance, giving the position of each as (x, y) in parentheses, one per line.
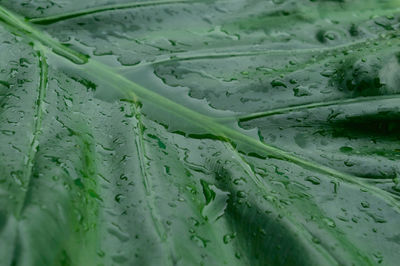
(199, 132)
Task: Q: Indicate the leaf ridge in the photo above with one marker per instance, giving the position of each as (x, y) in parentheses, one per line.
(187, 56)
(139, 128)
(295, 108)
(17, 23)
(27, 173)
(101, 9)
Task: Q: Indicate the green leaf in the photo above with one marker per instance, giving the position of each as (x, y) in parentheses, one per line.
(177, 132)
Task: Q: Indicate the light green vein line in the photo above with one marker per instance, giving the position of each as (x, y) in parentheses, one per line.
(114, 80)
(27, 173)
(18, 23)
(247, 117)
(320, 53)
(161, 232)
(146, 181)
(94, 10)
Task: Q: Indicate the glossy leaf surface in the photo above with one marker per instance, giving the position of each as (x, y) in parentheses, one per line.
(209, 132)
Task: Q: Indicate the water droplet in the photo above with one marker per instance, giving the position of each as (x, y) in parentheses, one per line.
(7, 132)
(346, 149)
(94, 194)
(238, 255)
(228, 237)
(278, 83)
(342, 218)
(328, 73)
(116, 231)
(216, 201)
(313, 179)
(378, 256)
(365, 204)
(239, 181)
(201, 242)
(316, 240)
(241, 194)
(119, 259)
(301, 91)
(329, 222)
(377, 218)
(17, 177)
(194, 221)
(172, 204)
(349, 163)
(118, 197)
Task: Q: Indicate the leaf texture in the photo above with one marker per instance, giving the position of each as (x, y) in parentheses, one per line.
(218, 132)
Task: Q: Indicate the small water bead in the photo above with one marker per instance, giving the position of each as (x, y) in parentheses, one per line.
(278, 83)
(101, 253)
(228, 238)
(200, 241)
(241, 194)
(313, 180)
(301, 91)
(365, 204)
(329, 222)
(118, 198)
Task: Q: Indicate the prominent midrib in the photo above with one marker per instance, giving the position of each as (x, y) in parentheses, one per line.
(128, 87)
(88, 11)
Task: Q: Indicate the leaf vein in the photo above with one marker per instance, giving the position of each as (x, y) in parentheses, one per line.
(295, 108)
(101, 9)
(27, 173)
